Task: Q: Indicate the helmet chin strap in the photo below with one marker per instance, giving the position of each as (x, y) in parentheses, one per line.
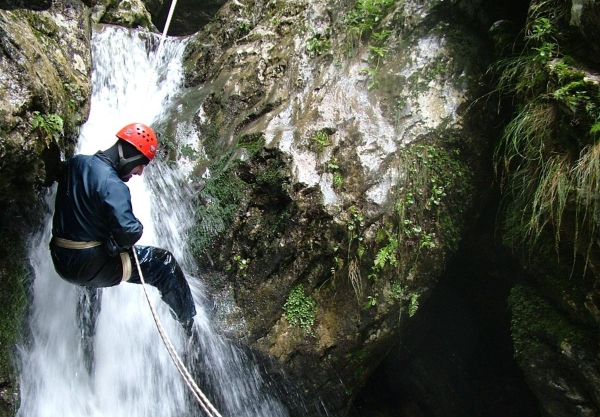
(125, 161)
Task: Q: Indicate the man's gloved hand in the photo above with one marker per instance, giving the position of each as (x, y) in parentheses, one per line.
(112, 248)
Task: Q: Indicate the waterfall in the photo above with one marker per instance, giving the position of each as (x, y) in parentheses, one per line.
(123, 369)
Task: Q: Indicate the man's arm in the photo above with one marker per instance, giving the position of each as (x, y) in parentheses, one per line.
(125, 228)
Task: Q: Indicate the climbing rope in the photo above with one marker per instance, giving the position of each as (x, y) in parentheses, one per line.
(164, 33)
(160, 46)
(206, 405)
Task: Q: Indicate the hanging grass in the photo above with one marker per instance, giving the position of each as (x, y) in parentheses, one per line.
(586, 177)
(538, 199)
(546, 182)
(527, 137)
(551, 195)
(548, 160)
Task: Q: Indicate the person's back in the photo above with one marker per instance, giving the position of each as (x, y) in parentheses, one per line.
(89, 195)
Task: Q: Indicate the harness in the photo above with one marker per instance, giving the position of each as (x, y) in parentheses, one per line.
(71, 244)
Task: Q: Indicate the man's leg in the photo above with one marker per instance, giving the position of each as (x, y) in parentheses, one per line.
(88, 309)
(161, 270)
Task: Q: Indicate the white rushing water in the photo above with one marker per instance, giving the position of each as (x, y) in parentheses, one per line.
(131, 374)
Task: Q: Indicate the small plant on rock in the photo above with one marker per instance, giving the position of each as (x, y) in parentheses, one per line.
(318, 44)
(300, 308)
(321, 138)
(50, 126)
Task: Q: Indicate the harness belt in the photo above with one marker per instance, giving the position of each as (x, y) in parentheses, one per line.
(71, 244)
(126, 261)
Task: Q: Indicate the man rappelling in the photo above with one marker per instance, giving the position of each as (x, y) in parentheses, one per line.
(94, 229)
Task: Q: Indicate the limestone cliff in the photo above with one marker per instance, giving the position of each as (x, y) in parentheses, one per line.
(339, 162)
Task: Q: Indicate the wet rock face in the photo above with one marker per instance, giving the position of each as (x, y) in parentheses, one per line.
(44, 92)
(128, 13)
(349, 169)
(558, 356)
(554, 326)
(585, 18)
(188, 18)
(45, 66)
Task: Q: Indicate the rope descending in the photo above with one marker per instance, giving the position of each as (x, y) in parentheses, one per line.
(160, 45)
(164, 34)
(208, 408)
(206, 405)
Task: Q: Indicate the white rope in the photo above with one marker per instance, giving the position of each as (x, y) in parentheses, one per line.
(167, 24)
(160, 46)
(206, 405)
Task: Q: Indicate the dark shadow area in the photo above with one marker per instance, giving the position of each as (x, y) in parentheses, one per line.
(188, 18)
(455, 359)
(25, 4)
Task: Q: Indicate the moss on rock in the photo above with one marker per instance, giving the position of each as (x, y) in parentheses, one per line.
(537, 324)
(13, 300)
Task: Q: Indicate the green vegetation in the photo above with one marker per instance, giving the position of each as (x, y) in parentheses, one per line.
(186, 151)
(371, 74)
(423, 218)
(371, 301)
(365, 18)
(252, 143)
(354, 224)
(231, 181)
(41, 24)
(300, 308)
(397, 290)
(413, 305)
(240, 264)
(222, 195)
(333, 167)
(322, 139)
(426, 216)
(318, 44)
(49, 126)
(363, 25)
(538, 327)
(548, 157)
(357, 360)
(75, 100)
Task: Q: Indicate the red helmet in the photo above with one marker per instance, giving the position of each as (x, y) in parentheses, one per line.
(142, 137)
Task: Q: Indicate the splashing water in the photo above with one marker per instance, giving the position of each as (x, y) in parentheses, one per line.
(129, 373)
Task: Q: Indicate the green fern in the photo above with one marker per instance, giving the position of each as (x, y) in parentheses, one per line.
(50, 126)
(413, 304)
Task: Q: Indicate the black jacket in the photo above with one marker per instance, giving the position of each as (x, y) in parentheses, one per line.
(93, 204)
